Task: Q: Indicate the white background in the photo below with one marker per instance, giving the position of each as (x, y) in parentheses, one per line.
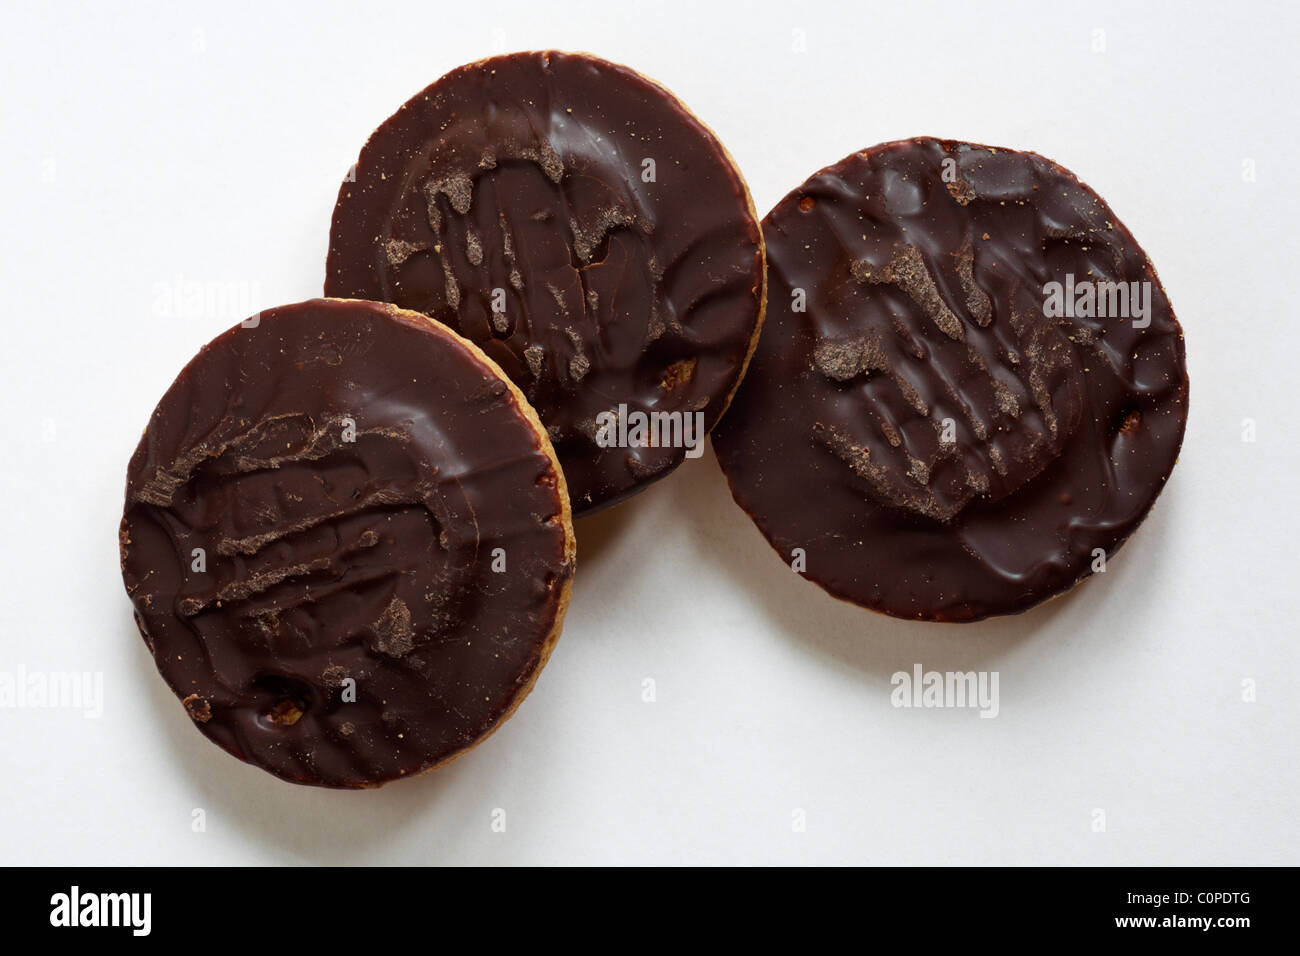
(145, 147)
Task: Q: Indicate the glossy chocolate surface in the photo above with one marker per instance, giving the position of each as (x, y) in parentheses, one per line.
(315, 523)
(918, 417)
(580, 225)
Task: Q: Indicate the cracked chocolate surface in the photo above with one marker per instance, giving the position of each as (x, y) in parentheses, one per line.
(574, 220)
(941, 444)
(312, 521)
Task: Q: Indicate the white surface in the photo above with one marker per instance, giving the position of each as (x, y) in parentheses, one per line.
(145, 144)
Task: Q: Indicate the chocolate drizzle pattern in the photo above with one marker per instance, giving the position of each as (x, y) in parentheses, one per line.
(941, 445)
(580, 225)
(313, 514)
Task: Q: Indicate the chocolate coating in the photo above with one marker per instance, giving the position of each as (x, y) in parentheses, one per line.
(510, 200)
(939, 440)
(349, 472)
